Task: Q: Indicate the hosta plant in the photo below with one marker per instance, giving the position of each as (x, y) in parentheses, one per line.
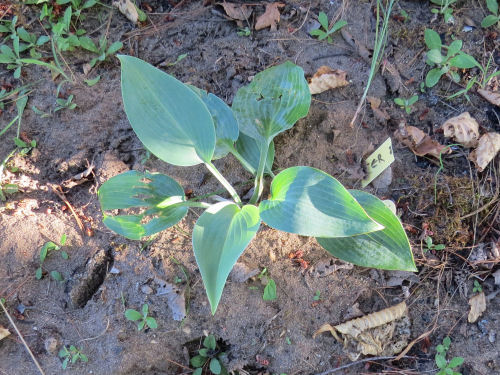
(185, 126)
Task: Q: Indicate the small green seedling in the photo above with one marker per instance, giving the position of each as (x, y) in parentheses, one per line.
(430, 246)
(197, 127)
(447, 64)
(404, 14)
(444, 8)
(44, 253)
(244, 31)
(145, 320)
(72, 354)
(179, 59)
(447, 367)
(317, 296)
(270, 288)
(493, 18)
(406, 103)
(24, 147)
(65, 103)
(323, 32)
(104, 51)
(210, 354)
(477, 287)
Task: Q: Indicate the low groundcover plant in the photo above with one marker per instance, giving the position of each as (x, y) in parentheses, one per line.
(185, 126)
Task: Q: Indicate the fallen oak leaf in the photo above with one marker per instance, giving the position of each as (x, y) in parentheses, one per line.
(420, 143)
(492, 96)
(3, 332)
(327, 78)
(477, 307)
(270, 17)
(237, 12)
(381, 115)
(463, 128)
(486, 150)
(128, 9)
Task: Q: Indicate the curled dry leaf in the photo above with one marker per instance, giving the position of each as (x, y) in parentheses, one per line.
(477, 307)
(270, 18)
(327, 78)
(381, 115)
(3, 332)
(238, 12)
(492, 96)
(463, 128)
(487, 148)
(384, 332)
(419, 142)
(128, 9)
(175, 298)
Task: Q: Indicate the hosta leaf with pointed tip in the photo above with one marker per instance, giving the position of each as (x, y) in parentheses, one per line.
(226, 127)
(308, 202)
(273, 102)
(168, 117)
(386, 249)
(134, 189)
(248, 147)
(220, 235)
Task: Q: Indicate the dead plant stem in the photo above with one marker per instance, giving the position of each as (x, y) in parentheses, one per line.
(22, 338)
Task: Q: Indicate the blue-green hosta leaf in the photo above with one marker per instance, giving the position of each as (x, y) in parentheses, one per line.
(248, 147)
(226, 127)
(273, 102)
(168, 117)
(310, 202)
(156, 193)
(220, 235)
(386, 249)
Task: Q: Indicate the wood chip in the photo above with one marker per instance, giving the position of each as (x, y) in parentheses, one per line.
(463, 128)
(270, 18)
(487, 148)
(477, 307)
(327, 78)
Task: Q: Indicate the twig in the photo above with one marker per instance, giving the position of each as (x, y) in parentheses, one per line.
(178, 364)
(57, 189)
(95, 337)
(359, 362)
(22, 338)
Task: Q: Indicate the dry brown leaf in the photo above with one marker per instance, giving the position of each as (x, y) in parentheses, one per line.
(384, 332)
(477, 307)
(327, 78)
(3, 332)
(380, 114)
(492, 96)
(128, 9)
(239, 12)
(463, 128)
(270, 17)
(419, 142)
(487, 148)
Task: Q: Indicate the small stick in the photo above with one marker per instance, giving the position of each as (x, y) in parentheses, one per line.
(22, 338)
(359, 362)
(57, 189)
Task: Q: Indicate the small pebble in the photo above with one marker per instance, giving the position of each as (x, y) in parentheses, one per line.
(146, 289)
(51, 345)
(492, 336)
